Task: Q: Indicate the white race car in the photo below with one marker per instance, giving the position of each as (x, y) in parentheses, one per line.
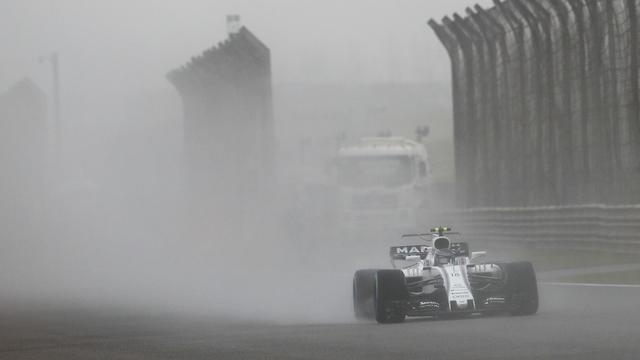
(442, 279)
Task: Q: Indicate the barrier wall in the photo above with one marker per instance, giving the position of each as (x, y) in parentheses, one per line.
(600, 227)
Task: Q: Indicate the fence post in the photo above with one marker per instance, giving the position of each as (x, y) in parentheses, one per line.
(634, 64)
(505, 123)
(466, 144)
(612, 95)
(548, 99)
(482, 130)
(538, 194)
(565, 136)
(521, 175)
(584, 118)
(454, 48)
(598, 125)
(491, 120)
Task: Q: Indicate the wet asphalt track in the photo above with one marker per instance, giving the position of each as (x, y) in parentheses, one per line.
(574, 322)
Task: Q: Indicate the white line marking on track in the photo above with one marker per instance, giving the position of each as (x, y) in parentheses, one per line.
(591, 285)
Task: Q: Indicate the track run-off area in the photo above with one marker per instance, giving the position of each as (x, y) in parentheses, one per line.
(575, 321)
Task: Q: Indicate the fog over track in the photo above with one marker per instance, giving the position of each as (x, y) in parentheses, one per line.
(574, 322)
(106, 250)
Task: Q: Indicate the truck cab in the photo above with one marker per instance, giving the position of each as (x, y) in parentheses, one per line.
(382, 182)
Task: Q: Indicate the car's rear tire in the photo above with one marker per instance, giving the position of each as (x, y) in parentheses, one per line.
(363, 294)
(391, 296)
(521, 288)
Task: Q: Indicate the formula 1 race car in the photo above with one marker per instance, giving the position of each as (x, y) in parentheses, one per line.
(443, 279)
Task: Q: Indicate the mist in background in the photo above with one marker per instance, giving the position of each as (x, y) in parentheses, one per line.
(109, 224)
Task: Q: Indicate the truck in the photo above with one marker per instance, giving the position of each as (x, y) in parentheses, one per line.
(382, 182)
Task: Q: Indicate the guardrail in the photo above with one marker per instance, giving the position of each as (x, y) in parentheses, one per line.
(616, 228)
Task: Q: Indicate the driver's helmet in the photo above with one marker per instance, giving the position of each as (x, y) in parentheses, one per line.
(444, 256)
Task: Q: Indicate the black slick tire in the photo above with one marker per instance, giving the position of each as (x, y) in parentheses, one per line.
(391, 296)
(521, 288)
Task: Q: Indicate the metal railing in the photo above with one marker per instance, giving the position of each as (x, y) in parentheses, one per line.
(546, 102)
(580, 227)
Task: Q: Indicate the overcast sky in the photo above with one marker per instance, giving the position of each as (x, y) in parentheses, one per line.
(118, 48)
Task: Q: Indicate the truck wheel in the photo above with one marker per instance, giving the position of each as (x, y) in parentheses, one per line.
(363, 294)
(521, 288)
(391, 296)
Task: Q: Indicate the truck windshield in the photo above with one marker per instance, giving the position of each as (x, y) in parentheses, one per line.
(365, 171)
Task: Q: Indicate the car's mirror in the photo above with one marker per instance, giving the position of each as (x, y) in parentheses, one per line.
(478, 254)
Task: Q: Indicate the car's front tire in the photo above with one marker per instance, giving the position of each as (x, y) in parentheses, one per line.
(521, 288)
(391, 296)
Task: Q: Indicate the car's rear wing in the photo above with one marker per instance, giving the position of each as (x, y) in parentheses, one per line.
(401, 252)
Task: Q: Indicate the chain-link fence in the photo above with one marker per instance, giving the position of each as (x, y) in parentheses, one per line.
(546, 102)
